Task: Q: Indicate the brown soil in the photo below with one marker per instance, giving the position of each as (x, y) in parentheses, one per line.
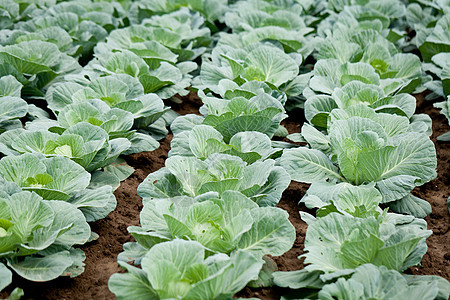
(101, 255)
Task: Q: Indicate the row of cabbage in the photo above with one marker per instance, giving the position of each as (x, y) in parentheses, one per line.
(221, 181)
(365, 148)
(64, 126)
(52, 179)
(208, 218)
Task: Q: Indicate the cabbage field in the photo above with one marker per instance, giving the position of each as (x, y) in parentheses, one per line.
(224, 149)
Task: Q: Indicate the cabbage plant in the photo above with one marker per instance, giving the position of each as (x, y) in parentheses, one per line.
(163, 78)
(398, 73)
(162, 50)
(370, 249)
(259, 61)
(337, 244)
(389, 285)
(10, 14)
(374, 282)
(189, 37)
(262, 113)
(430, 20)
(261, 181)
(75, 27)
(358, 201)
(382, 15)
(319, 107)
(211, 10)
(17, 10)
(366, 43)
(331, 73)
(225, 224)
(378, 148)
(86, 144)
(179, 270)
(229, 89)
(59, 178)
(117, 123)
(281, 23)
(154, 43)
(404, 74)
(127, 112)
(38, 235)
(248, 15)
(13, 109)
(35, 64)
(204, 140)
(118, 91)
(383, 9)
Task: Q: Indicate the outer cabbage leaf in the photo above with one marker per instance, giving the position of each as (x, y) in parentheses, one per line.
(42, 268)
(10, 86)
(11, 109)
(442, 284)
(95, 203)
(312, 164)
(445, 110)
(5, 276)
